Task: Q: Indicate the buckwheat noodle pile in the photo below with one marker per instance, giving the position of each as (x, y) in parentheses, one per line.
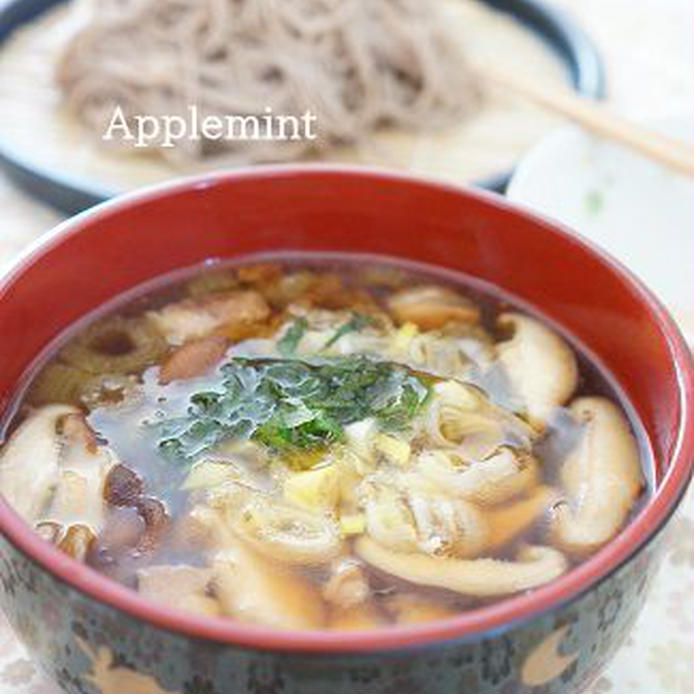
(357, 65)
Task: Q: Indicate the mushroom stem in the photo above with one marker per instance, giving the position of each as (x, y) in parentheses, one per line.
(602, 476)
(486, 577)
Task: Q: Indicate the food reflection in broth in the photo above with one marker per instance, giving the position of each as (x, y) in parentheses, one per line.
(322, 445)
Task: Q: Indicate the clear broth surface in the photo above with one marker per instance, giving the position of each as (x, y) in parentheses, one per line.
(184, 527)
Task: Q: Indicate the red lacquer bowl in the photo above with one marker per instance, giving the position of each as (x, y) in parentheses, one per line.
(543, 638)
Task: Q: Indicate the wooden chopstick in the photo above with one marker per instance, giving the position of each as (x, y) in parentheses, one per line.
(597, 119)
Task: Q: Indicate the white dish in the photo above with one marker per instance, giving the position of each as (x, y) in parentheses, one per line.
(636, 209)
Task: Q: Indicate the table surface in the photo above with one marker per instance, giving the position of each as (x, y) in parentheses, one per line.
(649, 53)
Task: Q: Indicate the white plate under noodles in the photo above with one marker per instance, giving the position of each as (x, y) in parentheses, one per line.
(35, 123)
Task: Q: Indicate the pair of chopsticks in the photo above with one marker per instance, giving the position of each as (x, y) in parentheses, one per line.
(597, 118)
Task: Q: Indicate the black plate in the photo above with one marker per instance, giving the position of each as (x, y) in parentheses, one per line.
(70, 194)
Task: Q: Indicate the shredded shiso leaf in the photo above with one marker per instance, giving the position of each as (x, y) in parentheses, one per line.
(289, 405)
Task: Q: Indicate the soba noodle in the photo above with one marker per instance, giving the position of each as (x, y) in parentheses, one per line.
(356, 64)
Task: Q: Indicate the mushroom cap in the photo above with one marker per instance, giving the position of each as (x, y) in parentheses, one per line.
(26, 485)
(539, 364)
(602, 477)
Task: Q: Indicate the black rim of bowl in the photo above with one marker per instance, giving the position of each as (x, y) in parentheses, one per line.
(72, 194)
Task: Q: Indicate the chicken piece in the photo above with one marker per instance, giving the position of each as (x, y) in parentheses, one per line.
(192, 359)
(234, 313)
(307, 288)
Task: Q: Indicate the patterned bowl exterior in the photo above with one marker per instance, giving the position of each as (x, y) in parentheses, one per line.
(91, 648)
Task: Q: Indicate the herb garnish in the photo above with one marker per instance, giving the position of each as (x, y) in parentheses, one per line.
(357, 322)
(288, 343)
(289, 405)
